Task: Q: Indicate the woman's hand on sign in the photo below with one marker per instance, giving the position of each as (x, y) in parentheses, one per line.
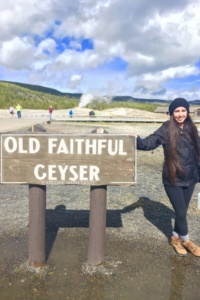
(134, 134)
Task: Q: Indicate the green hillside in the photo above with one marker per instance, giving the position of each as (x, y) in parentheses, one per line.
(39, 97)
(34, 97)
(43, 89)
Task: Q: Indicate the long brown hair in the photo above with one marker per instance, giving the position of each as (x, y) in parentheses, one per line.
(172, 161)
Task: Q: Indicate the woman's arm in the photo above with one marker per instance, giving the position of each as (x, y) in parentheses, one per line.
(153, 140)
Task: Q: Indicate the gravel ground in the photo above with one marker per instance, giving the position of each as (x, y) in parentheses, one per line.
(141, 207)
(139, 223)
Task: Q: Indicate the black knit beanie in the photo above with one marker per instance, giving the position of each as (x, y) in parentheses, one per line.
(178, 102)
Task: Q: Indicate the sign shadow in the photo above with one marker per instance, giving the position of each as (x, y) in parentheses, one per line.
(60, 217)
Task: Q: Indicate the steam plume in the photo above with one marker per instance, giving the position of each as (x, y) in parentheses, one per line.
(91, 98)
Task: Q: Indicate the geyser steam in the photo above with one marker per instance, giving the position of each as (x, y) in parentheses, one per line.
(91, 98)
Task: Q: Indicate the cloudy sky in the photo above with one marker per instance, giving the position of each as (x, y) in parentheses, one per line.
(145, 49)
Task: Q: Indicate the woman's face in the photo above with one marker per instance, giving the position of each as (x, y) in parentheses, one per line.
(180, 114)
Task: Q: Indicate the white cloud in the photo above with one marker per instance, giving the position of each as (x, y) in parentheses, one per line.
(17, 53)
(153, 82)
(75, 45)
(158, 41)
(75, 81)
(47, 46)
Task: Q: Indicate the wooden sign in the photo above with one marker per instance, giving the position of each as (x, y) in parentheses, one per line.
(91, 159)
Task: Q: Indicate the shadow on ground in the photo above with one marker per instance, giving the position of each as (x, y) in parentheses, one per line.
(60, 217)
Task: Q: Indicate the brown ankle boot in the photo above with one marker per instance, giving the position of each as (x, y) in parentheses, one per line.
(191, 247)
(176, 244)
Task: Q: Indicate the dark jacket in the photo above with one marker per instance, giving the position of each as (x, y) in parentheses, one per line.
(186, 155)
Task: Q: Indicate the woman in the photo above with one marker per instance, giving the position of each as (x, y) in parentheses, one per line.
(180, 141)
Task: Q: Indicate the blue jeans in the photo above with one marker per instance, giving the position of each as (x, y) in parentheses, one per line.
(19, 114)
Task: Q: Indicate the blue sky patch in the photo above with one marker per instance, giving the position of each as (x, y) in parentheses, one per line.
(116, 64)
(178, 83)
(68, 42)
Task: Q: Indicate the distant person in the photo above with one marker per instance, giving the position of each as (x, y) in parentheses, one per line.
(91, 113)
(50, 112)
(11, 111)
(181, 143)
(71, 113)
(19, 111)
